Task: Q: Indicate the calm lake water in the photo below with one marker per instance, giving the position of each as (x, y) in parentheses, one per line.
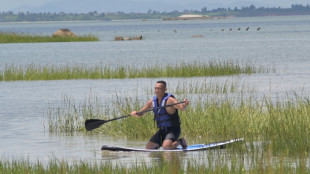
(281, 42)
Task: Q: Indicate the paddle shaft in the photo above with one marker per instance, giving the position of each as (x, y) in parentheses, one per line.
(145, 111)
(95, 123)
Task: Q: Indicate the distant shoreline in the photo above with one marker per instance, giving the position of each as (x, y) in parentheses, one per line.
(250, 11)
(124, 20)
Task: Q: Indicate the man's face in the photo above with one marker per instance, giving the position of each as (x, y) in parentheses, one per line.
(160, 90)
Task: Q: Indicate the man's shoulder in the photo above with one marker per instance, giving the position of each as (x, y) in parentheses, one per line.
(171, 99)
(150, 100)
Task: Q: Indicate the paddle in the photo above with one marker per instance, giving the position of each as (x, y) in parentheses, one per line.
(95, 123)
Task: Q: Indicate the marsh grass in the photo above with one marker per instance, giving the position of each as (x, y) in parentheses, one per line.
(213, 86)
(195, 69)
(29, 38)
(282, 125)
(233, 164)
(70, 117)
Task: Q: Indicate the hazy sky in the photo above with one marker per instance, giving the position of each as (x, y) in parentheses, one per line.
(15, 5)
(10, 4)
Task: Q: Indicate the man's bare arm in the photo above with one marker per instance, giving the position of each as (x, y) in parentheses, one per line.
(181, 106)
(147, 106)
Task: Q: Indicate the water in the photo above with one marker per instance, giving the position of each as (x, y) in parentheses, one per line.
(282, 42)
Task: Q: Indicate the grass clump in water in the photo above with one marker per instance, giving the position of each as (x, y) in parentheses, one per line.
(28, 38)
(52, 72)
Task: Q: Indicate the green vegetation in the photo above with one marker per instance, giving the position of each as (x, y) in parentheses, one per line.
(28, 38)
(218, 165)
(210, 87)
(153, 14)
(283, 125)
(276, 131)
(197, 69)
(70, 117)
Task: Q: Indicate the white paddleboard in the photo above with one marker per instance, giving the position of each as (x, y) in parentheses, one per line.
(195, 147)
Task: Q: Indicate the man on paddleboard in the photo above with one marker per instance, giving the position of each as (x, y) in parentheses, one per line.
(167, 119)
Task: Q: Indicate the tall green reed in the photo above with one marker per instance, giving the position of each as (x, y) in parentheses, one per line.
(70, 116)
(289, 124)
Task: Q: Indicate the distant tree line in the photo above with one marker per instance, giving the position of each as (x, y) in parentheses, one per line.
(47, 16)
(153, 14)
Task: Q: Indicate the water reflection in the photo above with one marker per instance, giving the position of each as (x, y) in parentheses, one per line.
(171, 157)
(174, 159)
(161, 158)
(117, 156)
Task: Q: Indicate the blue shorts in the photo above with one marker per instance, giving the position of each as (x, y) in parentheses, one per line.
(169, 133)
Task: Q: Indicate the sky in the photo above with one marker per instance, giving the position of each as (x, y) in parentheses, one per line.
(134, 5)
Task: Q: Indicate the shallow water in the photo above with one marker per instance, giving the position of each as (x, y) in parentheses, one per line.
(282, 42)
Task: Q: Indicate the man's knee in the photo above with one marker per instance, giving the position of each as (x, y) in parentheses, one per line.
(167, 145)
(151, 145)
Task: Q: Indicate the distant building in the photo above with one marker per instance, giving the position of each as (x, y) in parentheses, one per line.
(186, 16)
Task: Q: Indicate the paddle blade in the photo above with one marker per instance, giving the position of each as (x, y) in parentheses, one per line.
(93, 124)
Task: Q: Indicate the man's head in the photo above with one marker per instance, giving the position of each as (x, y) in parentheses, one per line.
(160, 88)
